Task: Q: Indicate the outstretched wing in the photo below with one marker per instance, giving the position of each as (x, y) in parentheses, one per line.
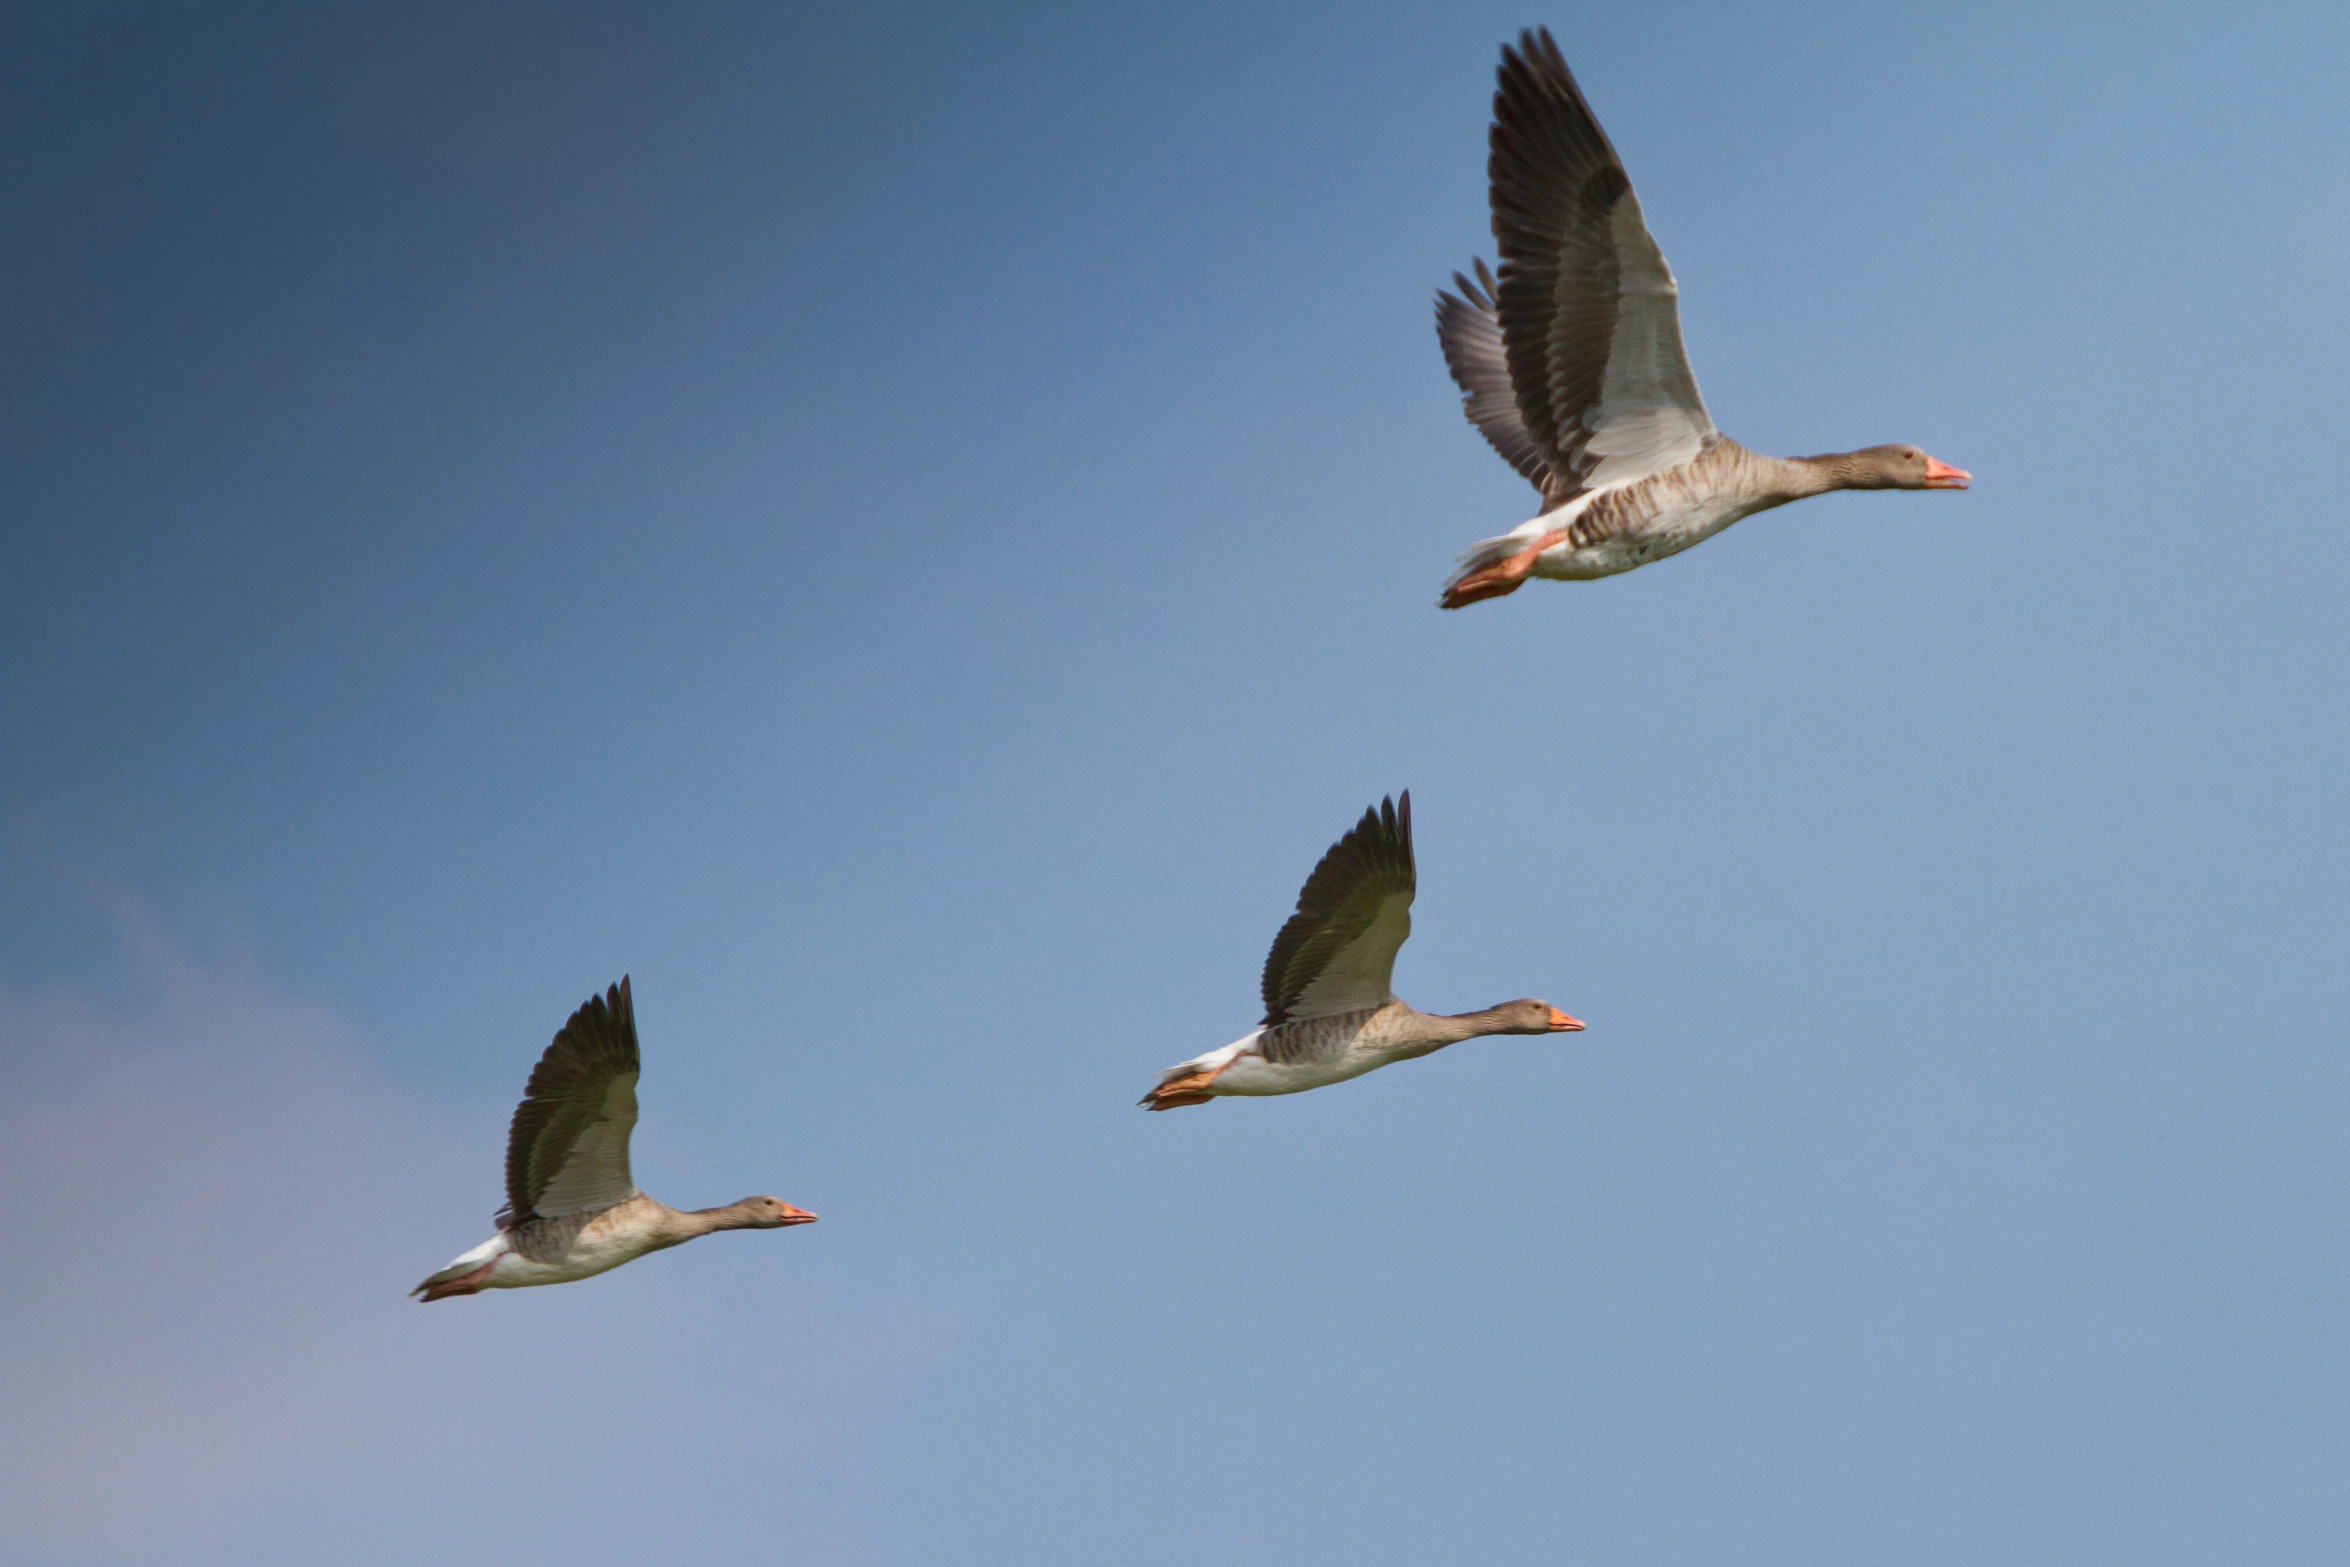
(1337, 952)
(1589, 312)
(567, 1151)
(1470, 333)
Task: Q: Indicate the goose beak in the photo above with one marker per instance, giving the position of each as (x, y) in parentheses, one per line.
(1560, 1023)
(792, 1215)
(1941, 476)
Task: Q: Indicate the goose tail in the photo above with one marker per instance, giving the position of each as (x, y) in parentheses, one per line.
(467, 1275)
(1188, 1084)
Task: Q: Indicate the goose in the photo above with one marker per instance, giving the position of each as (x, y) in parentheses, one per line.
(572, 1210)
(1570, 363)
(1329, 1015)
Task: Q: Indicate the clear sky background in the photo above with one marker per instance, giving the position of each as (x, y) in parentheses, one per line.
(907, 530)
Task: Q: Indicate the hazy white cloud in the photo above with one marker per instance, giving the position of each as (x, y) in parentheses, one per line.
(197, 1182)
(217, 1200)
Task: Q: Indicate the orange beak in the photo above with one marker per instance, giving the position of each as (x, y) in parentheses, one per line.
(1560, 1023)
(792, 1215)
(1941, 476)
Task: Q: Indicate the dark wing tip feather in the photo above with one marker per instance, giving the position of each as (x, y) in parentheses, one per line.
(1544, 133)
(1475, 292)
(597, 1044)
(1468, 330)
(1535, 63)
(1544, 136)
(1553, 178)
(1376, 849)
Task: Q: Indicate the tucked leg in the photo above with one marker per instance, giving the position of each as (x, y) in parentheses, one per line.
(463, 1284)
(1192, 1090)
(1503, 576)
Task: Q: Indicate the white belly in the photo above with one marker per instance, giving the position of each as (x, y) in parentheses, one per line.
(596, 1250)
(1669, 532)
(515, 1271)
(1254, 1075)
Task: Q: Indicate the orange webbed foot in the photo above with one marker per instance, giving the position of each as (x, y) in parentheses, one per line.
(1502, 577)
(464, 1284)
(1192, 1090)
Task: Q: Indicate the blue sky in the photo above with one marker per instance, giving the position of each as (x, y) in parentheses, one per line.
(908, 533)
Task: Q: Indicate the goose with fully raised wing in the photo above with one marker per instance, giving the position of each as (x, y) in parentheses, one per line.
(1329, 1014)
(572, 1209)
(1570, 363)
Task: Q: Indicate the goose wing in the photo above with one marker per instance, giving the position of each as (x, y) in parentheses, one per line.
(567, 1151)
(1469, 331)
(1589, 315)
(1337, 952)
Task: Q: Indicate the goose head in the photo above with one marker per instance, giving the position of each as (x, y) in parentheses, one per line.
(770, 1213)
(1531, 1017)
(1900, 468)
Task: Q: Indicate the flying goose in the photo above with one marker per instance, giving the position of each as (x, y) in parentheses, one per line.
(571, 1209)
(1329, 1015)
(1571, 365)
